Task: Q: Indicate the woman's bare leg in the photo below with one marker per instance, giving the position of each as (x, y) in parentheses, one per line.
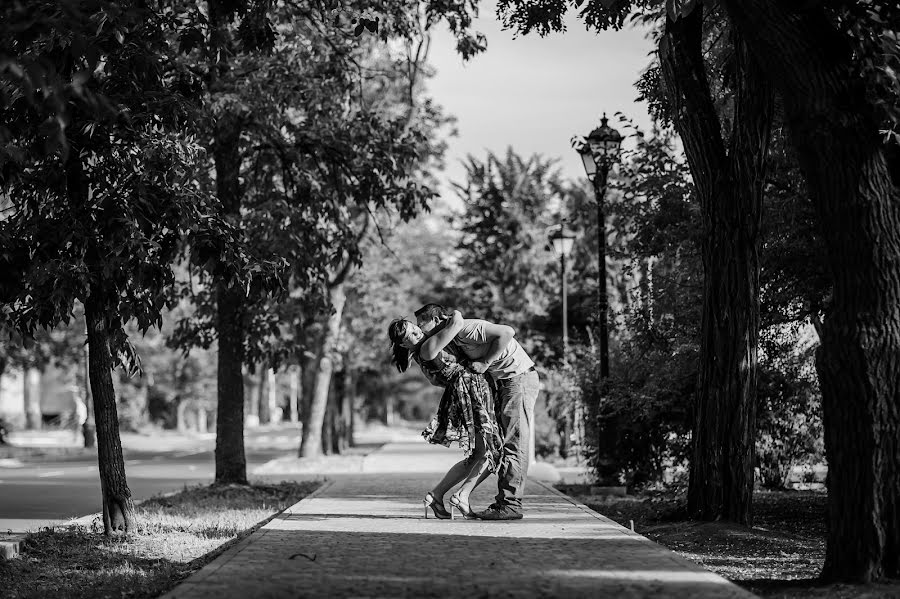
(478, 471)
(457, 473)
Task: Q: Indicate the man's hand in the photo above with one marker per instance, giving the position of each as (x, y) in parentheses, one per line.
(478, 367)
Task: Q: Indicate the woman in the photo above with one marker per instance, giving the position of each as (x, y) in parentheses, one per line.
(466, 411)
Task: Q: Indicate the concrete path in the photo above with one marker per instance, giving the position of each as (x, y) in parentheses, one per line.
(365, 535)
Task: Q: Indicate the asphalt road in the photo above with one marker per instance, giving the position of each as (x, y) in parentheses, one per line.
(50, 492)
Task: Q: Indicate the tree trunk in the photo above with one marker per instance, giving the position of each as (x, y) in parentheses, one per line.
(389, 416)
(261, 397)
(33, 415)
(272, 396)
(339, 406)
(296, 388)
(313, 420)
(118, 507)
(329, 438)
(847, 166)
(89, 428)
(729, 185)
(231, 464)
(348, 407)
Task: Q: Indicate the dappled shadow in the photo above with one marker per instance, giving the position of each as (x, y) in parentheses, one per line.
(331, 563)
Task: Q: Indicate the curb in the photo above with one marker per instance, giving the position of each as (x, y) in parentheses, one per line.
(591, 512)
(223, 558)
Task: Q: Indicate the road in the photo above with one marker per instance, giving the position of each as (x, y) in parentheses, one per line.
(35, 494)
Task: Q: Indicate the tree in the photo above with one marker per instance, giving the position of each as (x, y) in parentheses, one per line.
(729, 175)
(405, 270)
(508, 274)
(834, 65)
(273, 72)
(648, 397)
(726, 145)
(400, 183)
(94, 165)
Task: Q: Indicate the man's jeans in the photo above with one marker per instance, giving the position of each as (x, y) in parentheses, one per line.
(515, 414)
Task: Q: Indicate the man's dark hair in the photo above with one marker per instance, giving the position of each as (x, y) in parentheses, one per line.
(432, 311)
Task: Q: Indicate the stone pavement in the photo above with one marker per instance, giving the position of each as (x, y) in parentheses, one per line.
(365, 535)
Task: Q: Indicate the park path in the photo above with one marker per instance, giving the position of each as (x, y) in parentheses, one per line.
(365, 535)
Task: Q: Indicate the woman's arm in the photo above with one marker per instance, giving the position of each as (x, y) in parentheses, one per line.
(432, 346)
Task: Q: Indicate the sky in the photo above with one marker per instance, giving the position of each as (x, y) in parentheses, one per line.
(535, 93)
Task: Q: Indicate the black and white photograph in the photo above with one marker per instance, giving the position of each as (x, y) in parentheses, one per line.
(500, 299)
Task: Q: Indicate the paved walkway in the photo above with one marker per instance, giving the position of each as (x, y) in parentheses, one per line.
(365, 535)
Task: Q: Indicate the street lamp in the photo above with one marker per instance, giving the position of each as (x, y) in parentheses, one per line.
(562, 240)
(599, 151)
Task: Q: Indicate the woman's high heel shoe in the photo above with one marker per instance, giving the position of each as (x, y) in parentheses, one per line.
(464, 508)
(440, 512)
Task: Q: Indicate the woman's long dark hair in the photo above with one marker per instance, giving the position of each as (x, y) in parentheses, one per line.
(399, 354)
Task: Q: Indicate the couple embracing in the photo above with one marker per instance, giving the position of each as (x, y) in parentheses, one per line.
(490, 388)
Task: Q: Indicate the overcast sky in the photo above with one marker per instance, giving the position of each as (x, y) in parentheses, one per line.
(535, 93)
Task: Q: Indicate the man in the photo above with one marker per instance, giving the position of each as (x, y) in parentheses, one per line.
(492, 348)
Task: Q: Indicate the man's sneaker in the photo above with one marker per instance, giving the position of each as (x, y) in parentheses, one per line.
(499, 512)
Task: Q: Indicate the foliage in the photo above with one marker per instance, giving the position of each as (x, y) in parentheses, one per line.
(648, 396)
(873, 29)
(653, 376)
(509, 274)
(94, 162)
(789, 410)
(401, 272)
(556, 411)
(653, 372)
(318, 158)
(794, 282)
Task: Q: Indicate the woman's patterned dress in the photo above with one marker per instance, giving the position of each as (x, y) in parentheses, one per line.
(466, 408)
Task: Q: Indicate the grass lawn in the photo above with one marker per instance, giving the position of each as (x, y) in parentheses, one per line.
(178, 535)
(780, 557)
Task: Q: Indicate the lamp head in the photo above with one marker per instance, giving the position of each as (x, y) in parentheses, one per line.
(562, 239)
(600, 149)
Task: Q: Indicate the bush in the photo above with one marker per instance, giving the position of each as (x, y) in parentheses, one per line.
(640, 428)
(555, 413)
(789, 407)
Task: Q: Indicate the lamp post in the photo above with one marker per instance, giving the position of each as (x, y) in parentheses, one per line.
(599, 151)
(562, 240)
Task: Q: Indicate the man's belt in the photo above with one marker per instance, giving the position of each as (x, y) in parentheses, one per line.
(500, 382)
